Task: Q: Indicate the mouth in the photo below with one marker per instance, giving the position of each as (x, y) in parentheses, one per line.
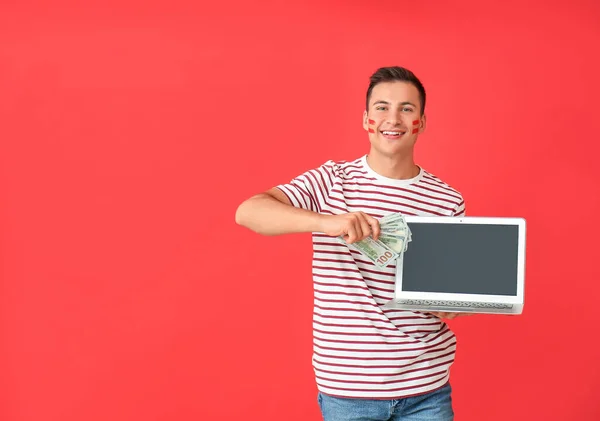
(392, 134)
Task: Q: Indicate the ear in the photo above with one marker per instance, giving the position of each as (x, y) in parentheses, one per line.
(423, 124)
(365, 121)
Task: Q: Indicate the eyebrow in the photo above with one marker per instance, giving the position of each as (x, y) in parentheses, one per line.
(387, 103)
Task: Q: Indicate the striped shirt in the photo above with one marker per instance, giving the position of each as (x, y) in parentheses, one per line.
(360, 349)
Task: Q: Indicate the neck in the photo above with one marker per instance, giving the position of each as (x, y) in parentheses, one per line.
(401, 167)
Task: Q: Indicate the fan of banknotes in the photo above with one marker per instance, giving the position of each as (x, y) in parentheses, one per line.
(392, 242)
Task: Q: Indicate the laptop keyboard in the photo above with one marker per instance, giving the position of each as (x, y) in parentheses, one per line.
(445, 303)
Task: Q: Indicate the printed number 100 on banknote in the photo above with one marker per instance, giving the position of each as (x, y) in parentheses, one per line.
(376, 251)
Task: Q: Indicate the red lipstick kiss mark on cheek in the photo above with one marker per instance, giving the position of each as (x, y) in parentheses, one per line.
(371, 130)
(371, 121)
(415, 131)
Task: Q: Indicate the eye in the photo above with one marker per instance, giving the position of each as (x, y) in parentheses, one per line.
(380, 108)
(407, 109)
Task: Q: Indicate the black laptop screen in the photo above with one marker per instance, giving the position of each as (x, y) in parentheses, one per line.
(461, 258)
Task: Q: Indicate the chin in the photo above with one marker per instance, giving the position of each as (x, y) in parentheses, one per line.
(395, 151)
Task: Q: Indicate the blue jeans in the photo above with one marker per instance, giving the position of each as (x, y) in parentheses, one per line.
(432, 406)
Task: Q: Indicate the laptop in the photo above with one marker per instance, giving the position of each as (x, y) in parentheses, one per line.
(462, 264)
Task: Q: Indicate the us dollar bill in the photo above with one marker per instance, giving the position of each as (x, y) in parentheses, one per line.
(397, 243)
(375, 250)
(392, 242)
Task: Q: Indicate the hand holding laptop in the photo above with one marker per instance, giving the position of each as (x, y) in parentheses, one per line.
(447, 316)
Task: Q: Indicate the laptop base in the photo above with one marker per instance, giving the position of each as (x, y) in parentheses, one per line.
(427, 306)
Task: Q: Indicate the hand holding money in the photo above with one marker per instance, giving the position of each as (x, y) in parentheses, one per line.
(393, 236)
(351, 227)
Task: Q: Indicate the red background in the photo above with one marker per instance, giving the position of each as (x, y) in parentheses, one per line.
(130, 131)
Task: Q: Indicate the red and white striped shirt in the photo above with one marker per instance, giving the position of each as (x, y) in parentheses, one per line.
(360, 349)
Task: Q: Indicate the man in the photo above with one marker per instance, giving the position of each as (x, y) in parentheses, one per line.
(370, 362)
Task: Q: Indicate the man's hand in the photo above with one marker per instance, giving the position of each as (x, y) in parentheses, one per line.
(448, 316)
(353, 226)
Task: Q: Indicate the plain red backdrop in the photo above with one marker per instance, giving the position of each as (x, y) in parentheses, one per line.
(130, 131)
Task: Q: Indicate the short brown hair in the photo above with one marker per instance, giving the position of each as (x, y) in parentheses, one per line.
(396, 74)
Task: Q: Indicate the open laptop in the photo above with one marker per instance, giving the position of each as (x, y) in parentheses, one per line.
(462, 264)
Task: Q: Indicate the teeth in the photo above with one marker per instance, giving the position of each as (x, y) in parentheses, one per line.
(391, 133)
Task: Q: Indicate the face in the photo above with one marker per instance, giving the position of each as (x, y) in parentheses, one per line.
(393, 120)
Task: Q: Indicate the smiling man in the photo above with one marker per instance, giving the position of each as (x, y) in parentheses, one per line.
(370, 362)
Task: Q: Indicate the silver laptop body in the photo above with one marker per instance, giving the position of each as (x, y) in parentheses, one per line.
(462, 264)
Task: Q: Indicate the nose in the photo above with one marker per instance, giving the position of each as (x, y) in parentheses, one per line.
(394, 119)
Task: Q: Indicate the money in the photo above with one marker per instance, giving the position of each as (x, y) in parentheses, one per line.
(391, 218)
(375, 250)
(396, 243)
(395, 232)
(392, 242)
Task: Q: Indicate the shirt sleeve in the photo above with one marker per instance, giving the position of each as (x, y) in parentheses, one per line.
(311, 190)
(460, 209)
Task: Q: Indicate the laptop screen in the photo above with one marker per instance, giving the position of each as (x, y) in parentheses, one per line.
(462, 258)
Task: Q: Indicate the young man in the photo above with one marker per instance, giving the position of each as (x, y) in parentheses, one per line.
(371, 363)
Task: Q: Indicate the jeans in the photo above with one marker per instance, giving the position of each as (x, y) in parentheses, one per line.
(432, 406)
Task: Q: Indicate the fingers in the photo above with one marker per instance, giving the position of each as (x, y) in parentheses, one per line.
(365, 228)
(449, 316)
(360, 226)
(356, 228)
(354, 233)
(374, 226)
(444, 315)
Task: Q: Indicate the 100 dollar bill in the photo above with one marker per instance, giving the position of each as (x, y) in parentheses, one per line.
(397, 243)
(376, 251)
(395, 225)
